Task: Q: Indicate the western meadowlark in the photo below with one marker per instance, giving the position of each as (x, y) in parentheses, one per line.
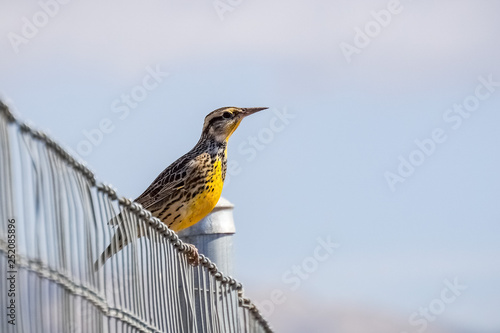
(189, 188)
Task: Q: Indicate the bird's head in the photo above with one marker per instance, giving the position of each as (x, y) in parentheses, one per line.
(221, 123)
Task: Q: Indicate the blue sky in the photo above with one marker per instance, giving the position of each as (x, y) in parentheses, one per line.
(321, 170)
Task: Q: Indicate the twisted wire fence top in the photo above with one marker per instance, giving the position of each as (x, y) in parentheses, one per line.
(61, 212)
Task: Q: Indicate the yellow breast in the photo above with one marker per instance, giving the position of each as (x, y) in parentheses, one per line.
(203, 203)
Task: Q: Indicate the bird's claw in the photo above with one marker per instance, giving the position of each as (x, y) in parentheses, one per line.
(193, 256)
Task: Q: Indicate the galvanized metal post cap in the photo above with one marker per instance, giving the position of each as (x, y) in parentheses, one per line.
(219, 221)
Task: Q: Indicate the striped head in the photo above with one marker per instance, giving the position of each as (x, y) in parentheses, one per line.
(221, 123)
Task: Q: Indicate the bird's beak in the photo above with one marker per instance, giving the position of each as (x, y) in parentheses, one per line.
(249, 111)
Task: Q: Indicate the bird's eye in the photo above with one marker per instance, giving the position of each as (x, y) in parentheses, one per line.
(227, 115)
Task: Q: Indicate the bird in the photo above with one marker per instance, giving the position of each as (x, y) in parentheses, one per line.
(188, 189)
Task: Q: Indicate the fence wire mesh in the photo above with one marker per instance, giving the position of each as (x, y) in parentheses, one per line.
(53, 226)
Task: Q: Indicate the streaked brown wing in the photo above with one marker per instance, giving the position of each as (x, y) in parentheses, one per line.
(178, 179)
(158, 194)
(153, 196)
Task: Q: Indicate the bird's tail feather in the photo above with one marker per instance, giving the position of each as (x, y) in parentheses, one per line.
(119, 240)
(117, 220)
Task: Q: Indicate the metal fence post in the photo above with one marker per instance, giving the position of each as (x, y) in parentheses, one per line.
(213, 236)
